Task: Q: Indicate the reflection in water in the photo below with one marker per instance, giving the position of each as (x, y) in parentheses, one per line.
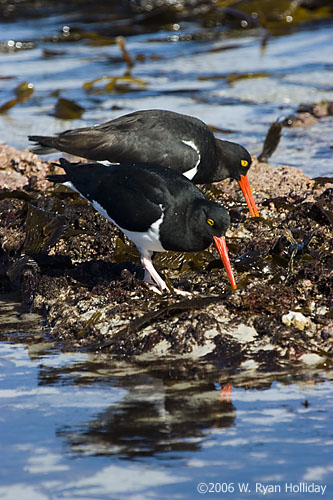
(167, 406)
(153, 428)
(153, 418)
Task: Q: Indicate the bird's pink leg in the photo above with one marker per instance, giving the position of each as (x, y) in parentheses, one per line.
(151, 276)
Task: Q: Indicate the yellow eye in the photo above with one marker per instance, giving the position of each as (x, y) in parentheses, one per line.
(244, 163)
(210, 222)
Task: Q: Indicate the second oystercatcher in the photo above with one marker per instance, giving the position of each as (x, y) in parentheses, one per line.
(159, 137)
(156, 207)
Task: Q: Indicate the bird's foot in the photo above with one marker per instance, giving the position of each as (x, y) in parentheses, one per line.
(154, 281)
(157, 290)
(153, 288)
(182, 292)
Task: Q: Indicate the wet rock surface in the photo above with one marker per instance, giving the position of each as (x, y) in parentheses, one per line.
(76, 270)
(307, 114)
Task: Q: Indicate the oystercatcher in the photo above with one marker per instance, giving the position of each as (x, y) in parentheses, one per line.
(156, 207)
(159, 137)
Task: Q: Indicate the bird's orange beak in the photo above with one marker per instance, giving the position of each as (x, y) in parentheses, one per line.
(245, 187)
(222, 249)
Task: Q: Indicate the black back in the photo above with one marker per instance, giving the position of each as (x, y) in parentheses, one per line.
(135, 196)
(154, 136)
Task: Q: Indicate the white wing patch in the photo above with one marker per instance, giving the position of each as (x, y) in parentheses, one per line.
(192, 172)
(108, 163)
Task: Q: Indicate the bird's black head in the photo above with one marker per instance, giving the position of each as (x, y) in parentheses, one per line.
(209, 219)
(202, 222)
(235, 160)
(217, 219)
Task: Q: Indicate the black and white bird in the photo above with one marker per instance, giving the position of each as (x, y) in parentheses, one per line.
(155, 207)
(159, 137)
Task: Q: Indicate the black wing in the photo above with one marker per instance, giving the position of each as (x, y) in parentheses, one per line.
(151, 136)
(131, 196)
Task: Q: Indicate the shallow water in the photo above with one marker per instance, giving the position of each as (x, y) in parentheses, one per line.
(78, 426)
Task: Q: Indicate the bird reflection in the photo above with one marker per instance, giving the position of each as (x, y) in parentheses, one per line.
(158, 414)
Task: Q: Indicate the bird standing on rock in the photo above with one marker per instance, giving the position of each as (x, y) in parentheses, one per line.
(159, 137)
(156, 207)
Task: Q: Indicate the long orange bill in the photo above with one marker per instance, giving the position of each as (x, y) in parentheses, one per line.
(245, 187)
(222, 249)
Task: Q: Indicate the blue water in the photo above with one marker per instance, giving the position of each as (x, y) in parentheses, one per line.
(81, 427)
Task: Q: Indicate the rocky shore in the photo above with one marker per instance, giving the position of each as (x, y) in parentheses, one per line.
(76, 270)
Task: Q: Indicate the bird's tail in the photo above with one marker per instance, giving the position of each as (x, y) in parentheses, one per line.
(57, 179)
(44, 144)
(65, 163)
(60, 178)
